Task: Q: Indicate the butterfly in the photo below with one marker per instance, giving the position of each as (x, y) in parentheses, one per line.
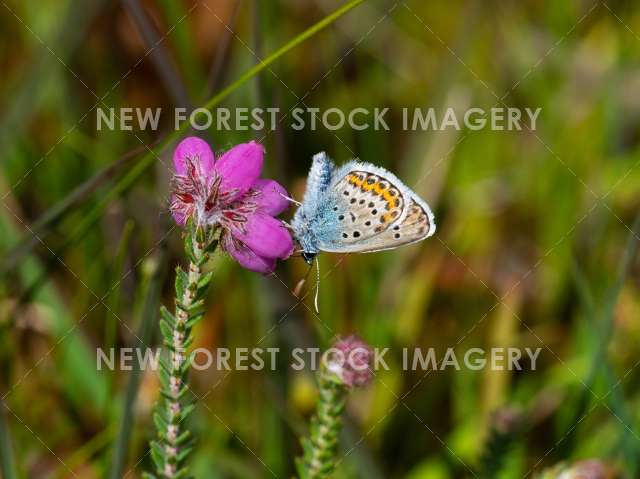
(357, 208)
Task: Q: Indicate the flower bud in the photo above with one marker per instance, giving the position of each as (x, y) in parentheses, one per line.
(350, 360)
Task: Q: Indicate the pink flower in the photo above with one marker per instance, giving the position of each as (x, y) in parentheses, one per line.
(350, 360)
(229, 194)
(588, 469)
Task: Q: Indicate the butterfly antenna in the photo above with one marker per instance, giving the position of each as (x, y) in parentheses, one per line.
(315, 300)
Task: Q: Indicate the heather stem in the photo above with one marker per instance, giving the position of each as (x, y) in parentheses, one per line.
(174, 443)
(176, 383)
(321, 448)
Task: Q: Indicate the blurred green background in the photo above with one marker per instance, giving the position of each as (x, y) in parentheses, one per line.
(536, 241)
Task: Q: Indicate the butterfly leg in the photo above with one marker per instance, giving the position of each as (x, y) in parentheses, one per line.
(295, 202)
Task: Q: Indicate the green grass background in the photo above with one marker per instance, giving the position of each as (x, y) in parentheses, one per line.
(536, 242)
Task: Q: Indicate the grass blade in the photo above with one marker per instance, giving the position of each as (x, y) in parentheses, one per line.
(7, 461)
(602, 331)
(221, 54)
(149, 318)
(39, 228)
(159, 54)
(147, 160)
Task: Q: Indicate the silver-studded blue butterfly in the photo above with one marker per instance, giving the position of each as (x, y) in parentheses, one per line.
(358, 208)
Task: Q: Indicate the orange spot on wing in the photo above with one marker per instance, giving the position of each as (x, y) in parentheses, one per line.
(368, 187)
(354, 180)
(392, 201)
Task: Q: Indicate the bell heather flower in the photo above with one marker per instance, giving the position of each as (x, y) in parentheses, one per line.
(586, 469)
(228, 193)
(350, 360)
(346, 365)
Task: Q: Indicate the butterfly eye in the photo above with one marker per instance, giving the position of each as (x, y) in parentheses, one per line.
(308, 256)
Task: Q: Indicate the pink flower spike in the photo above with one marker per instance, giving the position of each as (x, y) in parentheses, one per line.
(196, 148)
(350, 359)
(272, 196)
(265, 236)
(239, 168)
(247, 258)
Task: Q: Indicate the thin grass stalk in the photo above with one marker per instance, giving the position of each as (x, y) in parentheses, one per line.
(222, 52)
(176, 14)
(7, 459)
(603, 330)
(40, 228)
(143, 339)
(159, 54)
(117, 272)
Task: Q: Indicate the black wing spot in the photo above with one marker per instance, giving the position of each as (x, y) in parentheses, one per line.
(345, 193)
(345, 235)
(356, 234)
(353, 200)
(374, 212)
(353, 217)
(371, 204)
(396, 228)
(367, 223)
(361, 202)
(341, 217)
(335, 208)
(397, 236)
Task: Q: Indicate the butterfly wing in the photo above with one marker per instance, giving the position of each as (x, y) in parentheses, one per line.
(372, 210)
(318, 181)
(310, 218)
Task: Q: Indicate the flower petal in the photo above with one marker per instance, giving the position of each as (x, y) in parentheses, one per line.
(178, 211)
(240, 167)
(265, 236)
(193, 147)
(271, 199)
(248, 259)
